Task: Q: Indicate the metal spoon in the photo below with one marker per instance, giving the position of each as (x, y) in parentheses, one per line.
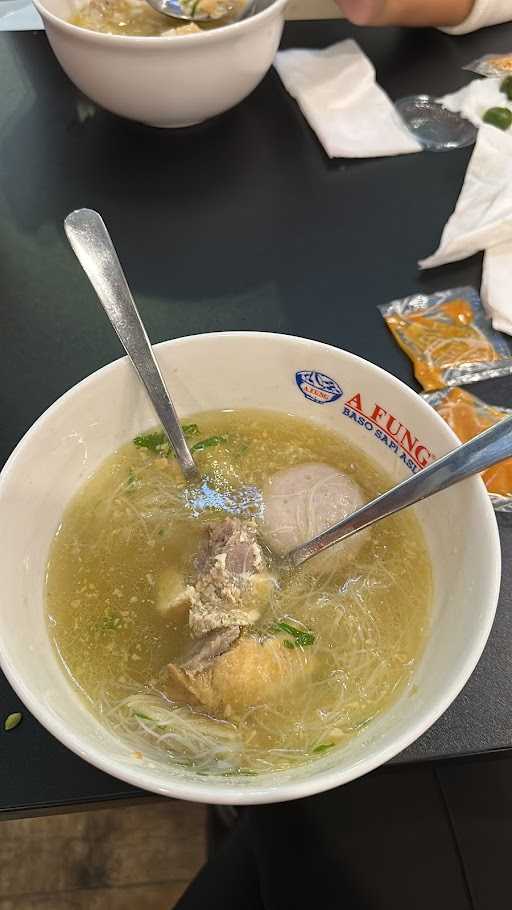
(192, 11)
(95, 251)
(480, 453)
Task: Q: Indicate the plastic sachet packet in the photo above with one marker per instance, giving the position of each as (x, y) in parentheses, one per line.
(467, 416)
(491, 65)
(448, 337)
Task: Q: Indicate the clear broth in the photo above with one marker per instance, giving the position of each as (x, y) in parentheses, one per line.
(137, 18)
(135, 518)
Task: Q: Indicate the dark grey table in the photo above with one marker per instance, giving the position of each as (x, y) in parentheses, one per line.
(242, 223)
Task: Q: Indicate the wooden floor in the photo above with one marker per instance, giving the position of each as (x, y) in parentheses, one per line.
(141, 857)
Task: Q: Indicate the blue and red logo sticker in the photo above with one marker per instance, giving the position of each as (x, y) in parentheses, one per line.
(317, 386)
(370, 416)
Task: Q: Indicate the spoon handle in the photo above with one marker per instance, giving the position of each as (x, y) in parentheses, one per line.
(484, 451)
(95, 251)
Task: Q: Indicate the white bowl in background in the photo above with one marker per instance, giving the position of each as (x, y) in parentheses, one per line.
(244, 370)
(166, 82)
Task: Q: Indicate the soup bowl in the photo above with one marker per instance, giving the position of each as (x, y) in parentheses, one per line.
(334, 389)
(166, 82)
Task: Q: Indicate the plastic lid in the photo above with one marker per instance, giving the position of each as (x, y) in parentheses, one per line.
(435, 128)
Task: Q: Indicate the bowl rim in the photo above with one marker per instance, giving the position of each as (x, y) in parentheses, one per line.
(251, 793)
(159, 41)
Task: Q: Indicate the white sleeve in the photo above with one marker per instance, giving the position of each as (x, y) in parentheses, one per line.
(484, 12)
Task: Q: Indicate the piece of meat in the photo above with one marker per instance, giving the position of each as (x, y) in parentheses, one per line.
(189, 29)
(172, 598)
(249, 673)
(225, 592)
(236, 540)
(208, 648)
(304, 500)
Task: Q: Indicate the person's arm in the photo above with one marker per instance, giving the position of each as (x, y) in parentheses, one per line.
(407, 12)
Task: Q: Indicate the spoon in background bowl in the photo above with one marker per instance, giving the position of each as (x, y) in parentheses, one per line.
(203, 10)
(95, 252)
(91, 242)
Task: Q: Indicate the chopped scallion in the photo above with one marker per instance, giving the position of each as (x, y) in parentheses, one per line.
(323, 747)
(302, 638)
(12, 720)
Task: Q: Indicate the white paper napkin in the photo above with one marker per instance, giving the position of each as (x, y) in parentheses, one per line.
(496, 286)
(483, 215)
(475, 99)
(18, 16)
(339, 97)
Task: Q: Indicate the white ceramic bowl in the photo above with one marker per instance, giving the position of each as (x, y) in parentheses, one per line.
(166, 82)
(238, 370)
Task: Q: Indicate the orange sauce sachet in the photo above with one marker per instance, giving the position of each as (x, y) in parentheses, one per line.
(491, 65)
(467, 415)
(448, 338)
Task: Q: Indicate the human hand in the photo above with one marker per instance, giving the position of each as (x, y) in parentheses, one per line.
(406, 12)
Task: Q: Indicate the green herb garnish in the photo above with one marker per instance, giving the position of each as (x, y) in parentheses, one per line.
(304, 639)
(190, 429)
(158, 442)
(323, 747)
(506, 87)
(155, 442)
(286, 627)
(110, 622)
(131, 483)
(12, 720)
(208, 443)
(500, 117)
(239, 772)
(301, 637)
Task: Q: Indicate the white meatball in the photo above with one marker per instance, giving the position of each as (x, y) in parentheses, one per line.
(301, 502)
